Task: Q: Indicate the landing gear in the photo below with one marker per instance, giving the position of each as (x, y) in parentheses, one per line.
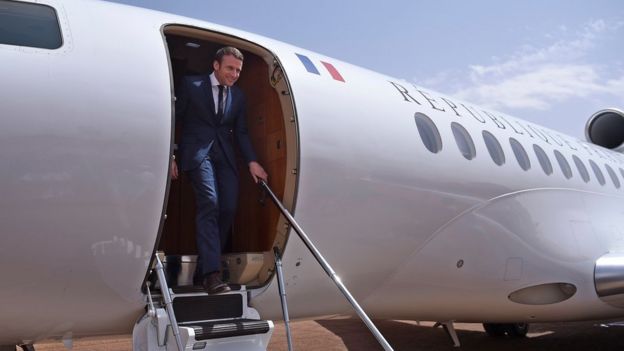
(514, 330)
(27, 347)
(449, 328)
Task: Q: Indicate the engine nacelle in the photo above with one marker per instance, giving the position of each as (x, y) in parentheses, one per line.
(606, 128)
(609, 278)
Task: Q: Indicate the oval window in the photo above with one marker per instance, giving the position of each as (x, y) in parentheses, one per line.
(429, 133)
(614, 178)
(543, 159)
(494, 148)
(521, 155)
(563, 164)
(464, 141)
(581, 168)
(597, 172)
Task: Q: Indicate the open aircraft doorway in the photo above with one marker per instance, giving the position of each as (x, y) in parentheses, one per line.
(271, 120)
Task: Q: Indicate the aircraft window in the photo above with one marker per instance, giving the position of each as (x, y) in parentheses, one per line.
(464, 141)
(521, 155)
(563, 164)
(32, 25)
(581, 168)
(613, 176)
(428, 133)
(494, 148)
(543, 159)
(598, 172)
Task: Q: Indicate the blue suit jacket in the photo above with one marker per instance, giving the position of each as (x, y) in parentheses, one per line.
(195, 107)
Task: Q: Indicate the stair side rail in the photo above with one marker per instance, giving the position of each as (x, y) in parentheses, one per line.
(282, 292)
(164, 288)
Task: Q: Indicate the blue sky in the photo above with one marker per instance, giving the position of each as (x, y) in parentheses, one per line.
(551, 62)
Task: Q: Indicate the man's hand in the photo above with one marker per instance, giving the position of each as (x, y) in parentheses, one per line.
(257, 172)
(174, 170)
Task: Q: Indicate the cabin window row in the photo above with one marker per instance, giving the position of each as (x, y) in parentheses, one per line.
(432, 140)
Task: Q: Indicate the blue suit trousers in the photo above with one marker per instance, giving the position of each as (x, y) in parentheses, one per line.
(215, 184)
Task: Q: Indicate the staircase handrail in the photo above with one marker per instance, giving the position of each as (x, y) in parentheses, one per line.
(327, 268)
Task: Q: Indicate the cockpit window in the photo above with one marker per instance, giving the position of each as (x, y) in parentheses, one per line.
(429, 133)
(521, 155)
(464, 141)
(32, 25)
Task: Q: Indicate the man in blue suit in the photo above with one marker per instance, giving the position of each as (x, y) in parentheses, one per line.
(212, 111)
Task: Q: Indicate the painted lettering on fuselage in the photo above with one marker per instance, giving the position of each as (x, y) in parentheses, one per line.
(494, 120)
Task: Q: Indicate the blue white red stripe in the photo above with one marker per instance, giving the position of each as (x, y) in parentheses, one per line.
(310, 67)
(307, 63)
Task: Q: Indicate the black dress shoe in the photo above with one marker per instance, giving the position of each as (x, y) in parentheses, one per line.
(213, 284)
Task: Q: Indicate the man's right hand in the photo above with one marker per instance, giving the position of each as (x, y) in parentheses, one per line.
(174, 170)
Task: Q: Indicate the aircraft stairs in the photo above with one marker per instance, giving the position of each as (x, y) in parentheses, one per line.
(187, 318)
(223, 322)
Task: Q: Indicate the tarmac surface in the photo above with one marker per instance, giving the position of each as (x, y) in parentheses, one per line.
(344, 333)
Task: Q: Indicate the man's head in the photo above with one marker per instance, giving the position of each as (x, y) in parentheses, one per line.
(227, 65)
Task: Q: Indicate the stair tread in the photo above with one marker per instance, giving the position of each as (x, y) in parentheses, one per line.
(208, 307)
(229, 328)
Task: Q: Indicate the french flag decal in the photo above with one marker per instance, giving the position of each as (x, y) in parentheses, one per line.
(310, 67)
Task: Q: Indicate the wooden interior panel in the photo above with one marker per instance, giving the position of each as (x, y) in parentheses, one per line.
(255, 225)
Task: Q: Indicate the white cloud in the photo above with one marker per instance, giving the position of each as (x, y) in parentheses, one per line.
(536, 89)
(616, 86)
(536, 78)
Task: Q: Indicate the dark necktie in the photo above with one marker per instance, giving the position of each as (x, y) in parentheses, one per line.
(221, 108)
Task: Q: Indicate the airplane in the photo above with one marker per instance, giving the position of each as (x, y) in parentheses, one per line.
(428, 207)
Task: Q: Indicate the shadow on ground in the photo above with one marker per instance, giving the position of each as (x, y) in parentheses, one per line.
(340, 334)
(352, 334)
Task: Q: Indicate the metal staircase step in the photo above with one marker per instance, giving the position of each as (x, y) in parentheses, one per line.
(226, 329)
(208, 307)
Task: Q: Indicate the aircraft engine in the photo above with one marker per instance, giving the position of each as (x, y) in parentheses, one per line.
(609, 278)
(606, 128)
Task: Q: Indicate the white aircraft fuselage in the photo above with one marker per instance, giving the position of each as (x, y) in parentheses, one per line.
(86, 141)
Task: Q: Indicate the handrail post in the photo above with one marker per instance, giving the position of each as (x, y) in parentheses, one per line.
(282, 292)
(164, 288)
(328, 269)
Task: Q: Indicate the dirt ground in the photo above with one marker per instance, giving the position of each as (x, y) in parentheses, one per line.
(343, 333)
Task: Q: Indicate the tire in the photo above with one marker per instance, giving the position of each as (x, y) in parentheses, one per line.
(514, 330)
(495, 330)
(517, 330)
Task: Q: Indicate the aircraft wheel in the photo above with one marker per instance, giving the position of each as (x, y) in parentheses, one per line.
(518, 330)
(515, 330)
(494, 329)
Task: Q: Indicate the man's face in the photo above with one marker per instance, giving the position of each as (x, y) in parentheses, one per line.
(228, 70)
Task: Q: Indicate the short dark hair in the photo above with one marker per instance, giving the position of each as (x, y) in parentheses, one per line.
(228, 50)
